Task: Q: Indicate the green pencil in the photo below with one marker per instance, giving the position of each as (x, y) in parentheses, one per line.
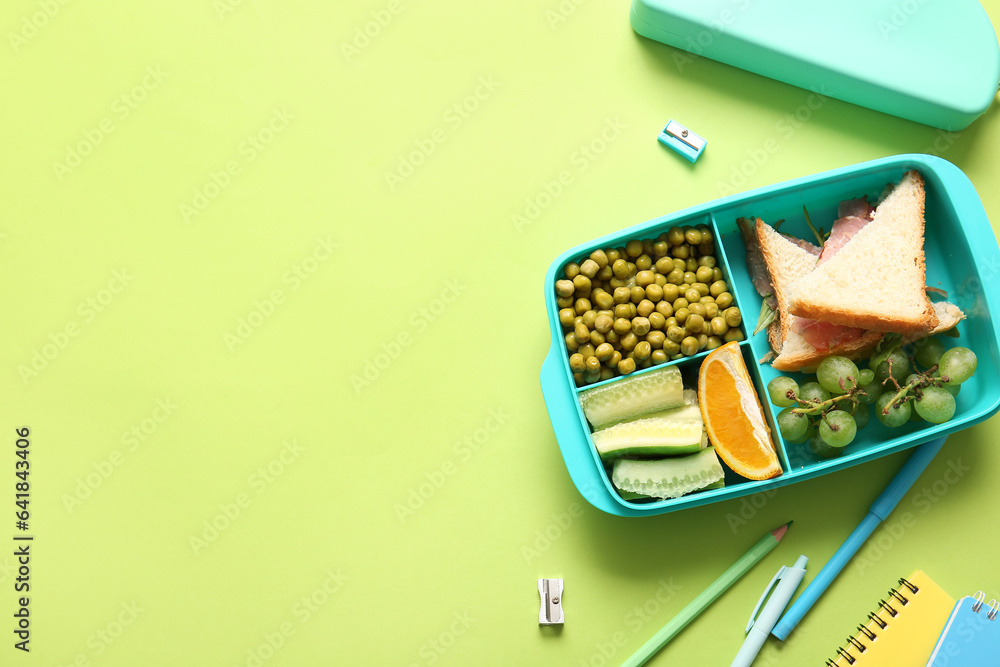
(707, 597)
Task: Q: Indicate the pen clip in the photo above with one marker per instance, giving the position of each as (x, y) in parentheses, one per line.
(774, 580)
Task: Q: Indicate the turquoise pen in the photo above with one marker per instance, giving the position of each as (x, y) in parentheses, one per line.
(879, 511)
(781, 588)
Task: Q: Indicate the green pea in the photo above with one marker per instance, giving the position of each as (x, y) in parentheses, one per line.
(626, 366)
(654, 293)
(637, 294)
(692, 295)
(680, 264)
(703, 290)
(616, 357)
(620, 268)
(691, 264)
(582, 306)
(714, 342)
(689, 346)
(718, 287)
(670, 293)
(566, 316)
(589, 268)
(733, 335)
(704, 274)
(644, 262)
(682, 314)
(628, 341)
(582, 333)
(587, 350)
(565, 287)
(675, 236)
(681, 251)
(633, 248)
(692, 236)
(596, 338)
(606, 373)
(656, 339)
(676, 334)
(725, 300)
(604, 300)
(694, 323)
(680, 302)
(733, 317)
(661, 279)
(665, 308)
(622, 295)
(707, 261)
(697, 309)
(623, 310)
(564, 301)
(670, 322)
(711, 310)
(664, 265)
(622, 326)
(644, 277)
(690, 277)
(660, 248)
(589, 318)
(706, 248)
(702, 340)
(656, 319)
(604, 323)
(640, 326)
(572, 270)
(671, 348)
(658, 357)
(645, 308)
(613, 255)
(717, 274)
(643, 350)
(600, 257)
(719, 326)
(571, 343)
(582, 283)
(675, 277)
(706, 233)
(593, 364)
(612, 337)
(577, 363)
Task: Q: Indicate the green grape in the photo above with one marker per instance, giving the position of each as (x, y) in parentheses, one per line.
(953, 389)
(957, 364)
(778, 388)
(812, 391)
(872, 390)
(792, 425)
(838, 375)
(866, 376)
(861, 415)
(928, 352)
(912, 377)
(837, 428)
(897, 416)
(823, 450)
(936, 405)
(900, 367)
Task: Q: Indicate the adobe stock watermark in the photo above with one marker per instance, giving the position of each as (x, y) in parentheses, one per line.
(366, 33)
(453, 118)
(463, 450)
(786, 127)
(545, 537)
(580, 160)
(899, 16)
(258, 482)
(419, 321)
(750, 506)
(248, 150)
(610, 651)
(970, 294)
(101, 640)
(291, 281)
(302, 612)
(121, 108)
(131, 439)
(33, 23)
(924, 499)
(86, 311)
(696, 45)
(562, 12)
(434, 648)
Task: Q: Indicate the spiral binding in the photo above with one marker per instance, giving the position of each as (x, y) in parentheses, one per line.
(994, 606)
(898, 597)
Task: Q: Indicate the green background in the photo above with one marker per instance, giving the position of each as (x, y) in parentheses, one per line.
(200, 213)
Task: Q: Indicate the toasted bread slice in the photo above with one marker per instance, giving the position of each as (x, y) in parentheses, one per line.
(876, 281)
(786, 264)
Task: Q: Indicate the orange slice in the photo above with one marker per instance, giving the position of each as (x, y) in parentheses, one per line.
(733, 415)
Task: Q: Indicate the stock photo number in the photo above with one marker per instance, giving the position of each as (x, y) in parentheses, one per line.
(22, 546)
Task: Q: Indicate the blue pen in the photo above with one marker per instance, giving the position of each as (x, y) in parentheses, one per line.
(784, 584)
(878, 512)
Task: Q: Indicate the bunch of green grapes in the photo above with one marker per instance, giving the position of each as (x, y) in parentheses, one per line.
(829, 411)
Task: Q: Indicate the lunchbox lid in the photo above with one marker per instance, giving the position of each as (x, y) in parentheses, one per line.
(936, 63)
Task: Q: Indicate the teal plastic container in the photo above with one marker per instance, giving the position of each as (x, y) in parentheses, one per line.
(962, 258)
(936, 63)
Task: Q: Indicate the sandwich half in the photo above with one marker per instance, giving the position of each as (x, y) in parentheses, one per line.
(876, 280)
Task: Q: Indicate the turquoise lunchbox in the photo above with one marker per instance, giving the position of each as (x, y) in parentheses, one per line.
(962, 258)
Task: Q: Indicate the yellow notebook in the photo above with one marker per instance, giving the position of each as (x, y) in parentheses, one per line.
(902, 630)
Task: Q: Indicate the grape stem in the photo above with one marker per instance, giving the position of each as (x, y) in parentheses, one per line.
(818, 407)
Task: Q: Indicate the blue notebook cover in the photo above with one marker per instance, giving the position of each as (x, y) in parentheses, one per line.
(970, 637)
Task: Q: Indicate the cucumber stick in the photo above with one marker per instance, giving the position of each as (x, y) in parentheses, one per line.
(669, 477)
(655, 436)
(632, 396)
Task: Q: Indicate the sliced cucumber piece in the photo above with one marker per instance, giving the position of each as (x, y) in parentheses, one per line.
(632, 495)
(632, 396)
(669, 477)
(652, 436)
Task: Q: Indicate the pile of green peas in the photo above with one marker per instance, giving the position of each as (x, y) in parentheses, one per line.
(645, 303)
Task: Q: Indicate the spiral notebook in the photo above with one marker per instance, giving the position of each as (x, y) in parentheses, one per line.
(902, 630)
(971, 635)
